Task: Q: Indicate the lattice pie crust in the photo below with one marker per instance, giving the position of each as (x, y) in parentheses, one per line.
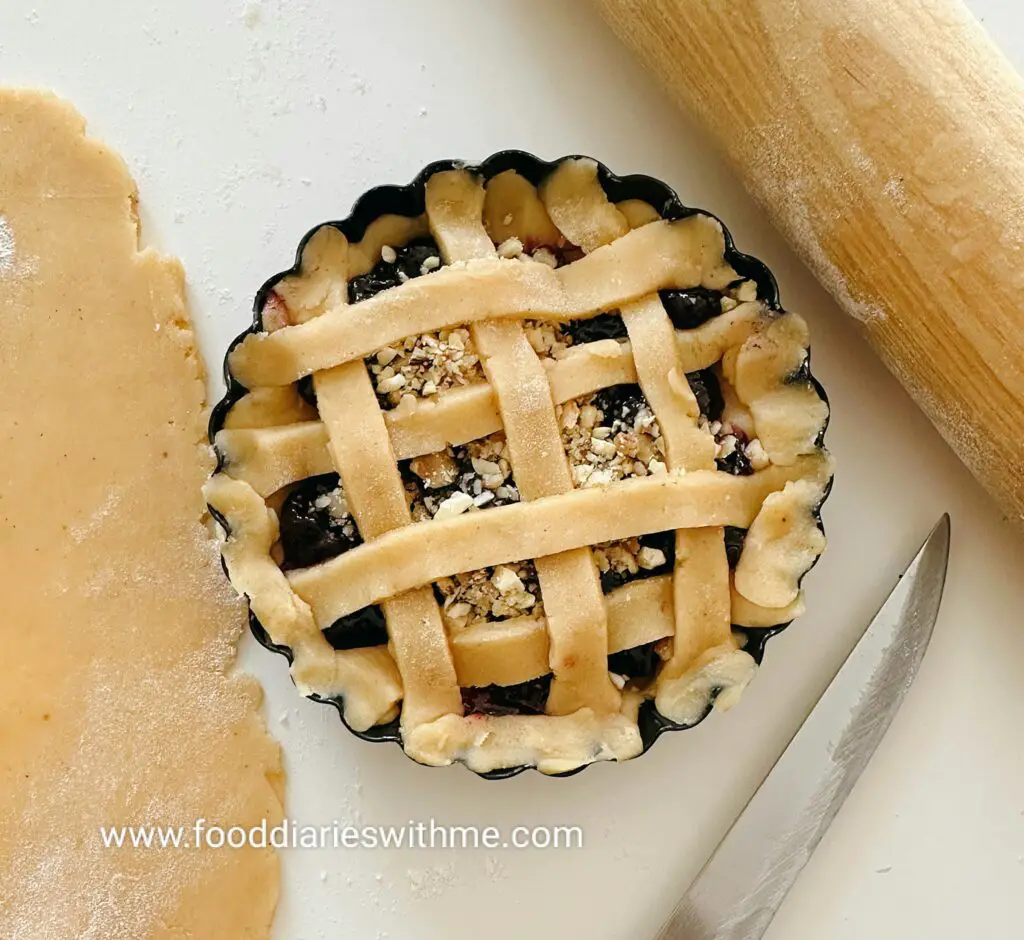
(495, 288)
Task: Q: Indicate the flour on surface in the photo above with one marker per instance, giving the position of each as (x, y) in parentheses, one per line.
(13, 267)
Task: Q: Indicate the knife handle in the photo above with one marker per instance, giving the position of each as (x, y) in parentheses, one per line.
(886, 142)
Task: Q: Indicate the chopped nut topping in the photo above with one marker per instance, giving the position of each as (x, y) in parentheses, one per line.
(436, 470)
(479, 471)
(649, 557)
(510, 248)
(547, 338)
(604, 448)
(422, 366)
(756, 454)
(491, 594)
(454, 505)
(388, 254)
(337, 506)
(545, 256)
(627, 557)
(746, 292)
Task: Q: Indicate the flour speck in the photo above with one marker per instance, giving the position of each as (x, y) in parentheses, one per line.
(6, 248)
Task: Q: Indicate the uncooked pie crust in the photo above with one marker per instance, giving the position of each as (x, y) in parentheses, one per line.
(272, 438)
(116, 707)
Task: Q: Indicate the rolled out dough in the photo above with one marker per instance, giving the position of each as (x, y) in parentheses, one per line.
(117, 629)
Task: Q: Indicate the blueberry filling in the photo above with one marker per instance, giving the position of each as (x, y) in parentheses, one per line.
(362, 628)
(315, 523)
(640, 662)
(688, 309)
(620, 402)
(736, 461)
(706, 389)
(734, 539)
(526, 698)
(408, 263)
(603, 326)
(306, 390)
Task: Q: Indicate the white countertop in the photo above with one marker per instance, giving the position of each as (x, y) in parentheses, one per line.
(247, 123)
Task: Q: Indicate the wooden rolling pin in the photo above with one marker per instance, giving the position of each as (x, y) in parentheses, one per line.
(885, 139)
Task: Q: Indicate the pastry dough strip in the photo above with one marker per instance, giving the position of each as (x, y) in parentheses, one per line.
(571, 592)
(361, 448)
(685, 253)
(420, 554)
(513, 651)
(702, 605)
(271, 455)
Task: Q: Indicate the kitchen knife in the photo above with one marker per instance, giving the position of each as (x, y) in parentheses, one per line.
(740, 889)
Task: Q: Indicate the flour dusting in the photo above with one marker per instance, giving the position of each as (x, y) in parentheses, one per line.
(11, 266)
(6, 248)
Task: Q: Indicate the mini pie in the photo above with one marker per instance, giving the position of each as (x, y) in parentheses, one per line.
(521, 465)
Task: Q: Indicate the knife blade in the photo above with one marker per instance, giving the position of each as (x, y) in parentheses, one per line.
(744, 883)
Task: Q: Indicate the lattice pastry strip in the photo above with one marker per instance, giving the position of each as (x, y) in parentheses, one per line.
(361, 449)
(568, 581)
(275, 448)
(615, 258)
(702, 606)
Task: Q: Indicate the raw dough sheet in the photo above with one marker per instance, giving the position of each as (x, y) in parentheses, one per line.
(118, 632)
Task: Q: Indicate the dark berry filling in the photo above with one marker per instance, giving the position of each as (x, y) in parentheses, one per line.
(526, 698)
(408, 264)
(736, 461)
(312, 529)
(734, 539)
(603, 326)
(690, 308)
(708, 393)
(640, 662)
(306, 390)
(620, 402)
(567, 253)
(362, 628)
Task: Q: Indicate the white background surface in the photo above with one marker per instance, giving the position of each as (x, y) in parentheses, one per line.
(247, 123)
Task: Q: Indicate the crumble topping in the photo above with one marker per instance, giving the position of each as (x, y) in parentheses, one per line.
(491, 594)
(421, 366)
(627, 557)
(510, 248)
(604, 447)
(545, 256)
(548, 338)
(744, 292)
(462, 479)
